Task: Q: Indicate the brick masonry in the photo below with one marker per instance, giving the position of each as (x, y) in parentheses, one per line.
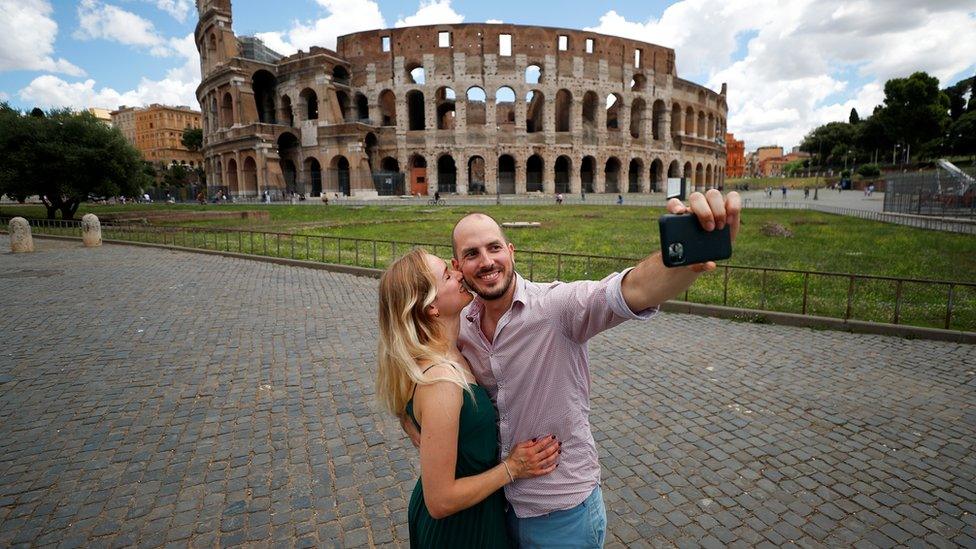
(163, 398)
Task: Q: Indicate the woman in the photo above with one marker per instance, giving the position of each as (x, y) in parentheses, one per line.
(457, 502)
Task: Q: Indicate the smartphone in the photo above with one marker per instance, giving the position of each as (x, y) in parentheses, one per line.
(685, 242)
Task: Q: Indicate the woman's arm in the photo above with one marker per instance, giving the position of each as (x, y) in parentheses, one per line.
(439, 406)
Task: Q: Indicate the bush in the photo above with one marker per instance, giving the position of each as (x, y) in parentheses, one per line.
(869, 170)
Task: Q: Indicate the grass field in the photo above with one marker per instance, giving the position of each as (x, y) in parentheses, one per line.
(819, 242)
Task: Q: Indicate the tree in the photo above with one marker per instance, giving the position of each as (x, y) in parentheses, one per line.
(854, 119)
(915, 110)
(829, 142)
(65, 158)
(192, 139)
(962, 134)
(868, 170)
(176, 175)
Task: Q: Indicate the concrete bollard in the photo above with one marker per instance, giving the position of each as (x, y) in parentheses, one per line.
(21, 240)
(91, 231)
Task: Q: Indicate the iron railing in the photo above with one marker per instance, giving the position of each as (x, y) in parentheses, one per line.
(910, 301)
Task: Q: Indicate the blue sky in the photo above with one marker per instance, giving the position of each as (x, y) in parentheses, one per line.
(790, 65)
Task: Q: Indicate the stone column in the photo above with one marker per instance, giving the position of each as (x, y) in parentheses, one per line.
(461, 179)
(549, 175)
(643, 177)
(91, 231)
(575, 179)
(599, 179)
(520, 179)
(21, 240)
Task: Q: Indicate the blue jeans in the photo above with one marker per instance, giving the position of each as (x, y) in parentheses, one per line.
(582, 526)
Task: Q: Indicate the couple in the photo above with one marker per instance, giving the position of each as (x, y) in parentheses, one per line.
(494, 389)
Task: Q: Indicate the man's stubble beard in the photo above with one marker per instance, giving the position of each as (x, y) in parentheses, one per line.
(491, 296)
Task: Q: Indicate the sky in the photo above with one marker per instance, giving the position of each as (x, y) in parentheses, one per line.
(790, 65)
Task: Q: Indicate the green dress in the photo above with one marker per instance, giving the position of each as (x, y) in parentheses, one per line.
(483, 524)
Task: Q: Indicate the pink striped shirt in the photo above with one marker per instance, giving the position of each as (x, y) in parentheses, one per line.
(537, 371)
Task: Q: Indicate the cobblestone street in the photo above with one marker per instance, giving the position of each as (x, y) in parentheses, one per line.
(152, 397)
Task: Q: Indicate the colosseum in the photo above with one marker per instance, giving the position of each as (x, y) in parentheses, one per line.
(457, 108)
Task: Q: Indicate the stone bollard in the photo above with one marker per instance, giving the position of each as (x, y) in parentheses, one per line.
(91, 231)
(20, 236)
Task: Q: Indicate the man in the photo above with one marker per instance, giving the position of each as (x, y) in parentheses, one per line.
(527, 345)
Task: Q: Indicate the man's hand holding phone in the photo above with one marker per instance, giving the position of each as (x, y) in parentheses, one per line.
(714, 212)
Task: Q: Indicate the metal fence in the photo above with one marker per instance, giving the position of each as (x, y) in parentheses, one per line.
(940, 193)
(909, 301)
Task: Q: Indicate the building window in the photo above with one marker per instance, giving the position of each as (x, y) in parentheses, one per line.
(505, 45)
(563, 42)
(385, 43)
(444, 39)
(637, 58)
(589, 45)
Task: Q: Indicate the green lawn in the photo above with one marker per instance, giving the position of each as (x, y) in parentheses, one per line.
(820, 242)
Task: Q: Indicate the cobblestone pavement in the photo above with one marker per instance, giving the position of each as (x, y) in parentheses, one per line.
(154, 397)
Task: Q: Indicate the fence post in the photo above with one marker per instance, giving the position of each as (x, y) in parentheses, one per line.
(850, 297)
(322, 241)
(292, 239)
(374, 254)
(531, 265)
(277, 244)
(339, 249)
(357, 252)
(308, 248)
(240, 242)
(949, 307)
(806, 281)
(559, 266)
(725, 287)
(762, 293)
(897, 301)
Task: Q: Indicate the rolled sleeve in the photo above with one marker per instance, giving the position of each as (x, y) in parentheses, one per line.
(615, 299)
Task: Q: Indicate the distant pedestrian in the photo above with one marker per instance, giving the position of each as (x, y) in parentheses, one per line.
(806, 193)
(559, 198)
(620, 199)
(783, 188)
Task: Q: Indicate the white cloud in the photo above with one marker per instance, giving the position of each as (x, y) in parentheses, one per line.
(177, 87)
(179, 9)
(494, 21)
(98, 20)
(802, 55)
(431, 13)
(345, 16)
(27, 34)
(4, 96)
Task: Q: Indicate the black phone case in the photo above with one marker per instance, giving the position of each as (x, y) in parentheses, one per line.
(685, 242)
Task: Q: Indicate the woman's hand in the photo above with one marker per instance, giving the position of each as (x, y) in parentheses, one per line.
(534, 458)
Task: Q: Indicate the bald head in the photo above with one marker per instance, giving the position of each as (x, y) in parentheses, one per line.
(478, 225)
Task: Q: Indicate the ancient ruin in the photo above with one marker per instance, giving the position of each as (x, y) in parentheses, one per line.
(465, 108)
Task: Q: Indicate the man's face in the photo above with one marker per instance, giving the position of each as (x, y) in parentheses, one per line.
(483, 257)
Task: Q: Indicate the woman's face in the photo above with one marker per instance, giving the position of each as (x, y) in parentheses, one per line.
(452, 296)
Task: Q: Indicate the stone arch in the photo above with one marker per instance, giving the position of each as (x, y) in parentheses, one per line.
(688, 172)
(415, 110)
(387, 104)
(212, 48)
(232, 184)
(506, 174)
(446, 104)
(638, 83)
(534, 111)
(418, 174)
(656, 175)
(533, 74)
(250, 173)
(562, 170)
(340, 75)
(614, 101)
(634, 171)
(313, 170)
(476, 175)
(535, 166)
(264, 84)
(227, 110)
(342, 100)
(213, 117)
(476, 111)
(591, 102)
(446, 174)
(311, 101)
(710, 127)
(677, 117)
(689, 121)
(637, 117)
(287, 112)
(587, 173)
(564, 110)
(339, 166)
(416, 74)
(505, 108)
(674, 169)
(370, 146)
(362, 106)
(699, 175)
(389, 164)
(612, 175)
(700, 127)
(658, 120)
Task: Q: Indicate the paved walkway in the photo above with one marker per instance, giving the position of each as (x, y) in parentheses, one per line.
(162, 398)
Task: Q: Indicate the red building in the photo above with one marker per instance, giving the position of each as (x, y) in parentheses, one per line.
(735, 157)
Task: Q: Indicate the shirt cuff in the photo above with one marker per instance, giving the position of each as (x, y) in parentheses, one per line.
(615, 298)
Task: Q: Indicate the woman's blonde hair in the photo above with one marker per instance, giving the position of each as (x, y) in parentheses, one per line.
(410, 338)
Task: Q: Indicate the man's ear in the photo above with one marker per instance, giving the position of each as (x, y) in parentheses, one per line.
(455, 264)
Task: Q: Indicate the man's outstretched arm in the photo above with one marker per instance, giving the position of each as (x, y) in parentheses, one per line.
(650, 283)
